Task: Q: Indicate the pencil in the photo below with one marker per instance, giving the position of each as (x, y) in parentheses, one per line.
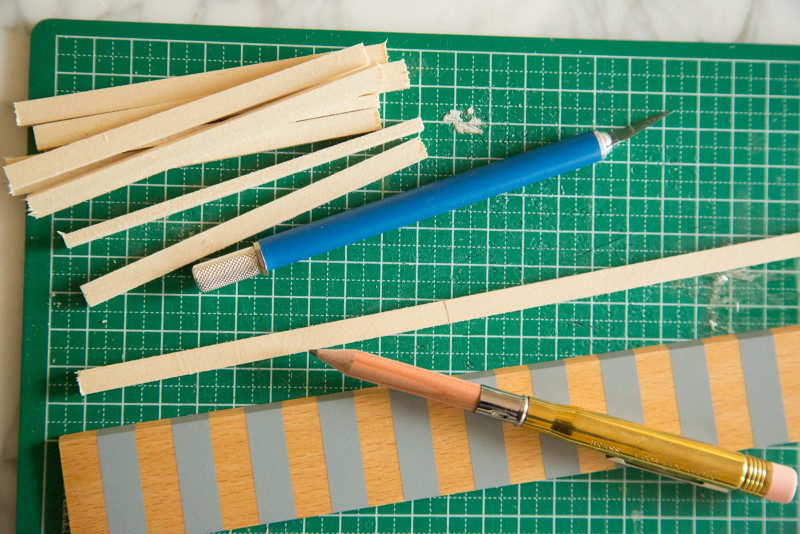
(630, 443)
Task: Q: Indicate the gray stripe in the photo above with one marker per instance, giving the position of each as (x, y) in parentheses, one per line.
(412, 432)
(122, 484)
(621, 384)
(270, 459)
(764, 394)
(197, 477)
(487, 446)
(693, 391)
(549, 381)
(337, 416)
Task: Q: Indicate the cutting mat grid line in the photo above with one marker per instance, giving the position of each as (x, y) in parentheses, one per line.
(723, 168)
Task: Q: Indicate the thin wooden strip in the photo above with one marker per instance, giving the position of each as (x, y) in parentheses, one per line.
(357, 116)
(585, 380)
(659, 403)
(178, 88)
(728, 392)
(438, 313)
(63, 132)
(787, 347)
(523, 448)
(54, 134)
(360, 120)
(241, 141)
(204, 145)
(625, 277)
(159, 474)
(306, 457)
(451, 448)
(171, 122)
(244, 226)
(73, 174)
(378, 446)
(237, 492)
(83, 482)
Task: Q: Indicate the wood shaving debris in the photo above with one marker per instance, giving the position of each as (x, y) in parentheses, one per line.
(469, 126)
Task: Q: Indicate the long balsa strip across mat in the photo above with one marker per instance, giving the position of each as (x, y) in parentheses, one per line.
(318, 455)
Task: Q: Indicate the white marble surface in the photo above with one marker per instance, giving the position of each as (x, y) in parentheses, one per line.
(765, 21)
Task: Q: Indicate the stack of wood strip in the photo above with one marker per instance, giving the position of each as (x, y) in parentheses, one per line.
(99, 141)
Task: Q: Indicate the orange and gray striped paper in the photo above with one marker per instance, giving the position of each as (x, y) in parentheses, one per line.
(319, 455)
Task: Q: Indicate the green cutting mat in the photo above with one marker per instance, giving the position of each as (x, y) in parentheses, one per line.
(722, 169)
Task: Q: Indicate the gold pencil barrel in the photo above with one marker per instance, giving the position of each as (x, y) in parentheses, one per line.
(651, 449)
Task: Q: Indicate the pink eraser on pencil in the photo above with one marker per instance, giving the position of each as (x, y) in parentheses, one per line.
(784, 484)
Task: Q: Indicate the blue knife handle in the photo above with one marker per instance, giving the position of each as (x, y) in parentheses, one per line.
(432, 199)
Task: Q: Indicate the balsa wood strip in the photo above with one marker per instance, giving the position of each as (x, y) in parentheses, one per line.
(659, 404)
(174, 89)
(523, 448)
(237, 492)
(334, 126)
(159, 474)
(585, 380)
(247, 225)
(306, 457)
(203, 145)
(171, 122)
(80, 466)
(54, 134)
(787, 347)
(437, 313)
(451, 448)
(342, 123)
(728, 392)
(378, 446)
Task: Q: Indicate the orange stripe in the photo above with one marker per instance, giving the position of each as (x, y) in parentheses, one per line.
(657, 386)
(728, 393)
(306, 457)
(451, 448)
(80, 464)
(378, 446)
(523, 449)
(159, 474)
(787, 346)
(237, 491)
(585, 379)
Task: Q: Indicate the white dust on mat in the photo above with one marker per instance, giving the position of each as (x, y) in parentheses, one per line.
(468, 126)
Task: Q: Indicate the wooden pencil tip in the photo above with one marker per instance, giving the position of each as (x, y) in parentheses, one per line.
(313, 352)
